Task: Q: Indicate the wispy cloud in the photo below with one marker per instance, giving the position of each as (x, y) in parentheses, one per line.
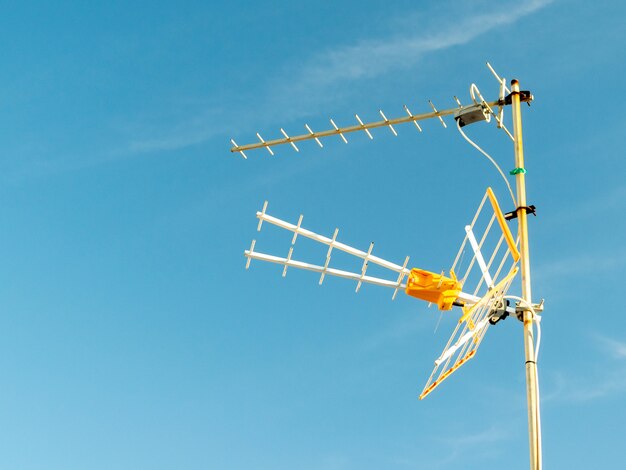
(477, 445)
(567, 389)
(617, 349)
(378, 56)
(580, 263)
(191, 131)
(398, 330)
(609, 200)
(593, 385)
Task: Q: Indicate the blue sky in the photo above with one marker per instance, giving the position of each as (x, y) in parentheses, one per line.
(131, 335)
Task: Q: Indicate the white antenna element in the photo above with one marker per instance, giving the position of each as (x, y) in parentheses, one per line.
(265, 144)
(295, 232)
(258, 228)
(330, 249)
(502, 81)
(338, 131)
(363, 126)
(387, 121)
(289, 139)
(232, 141)
(400, 278)
(503, 89)
(251, 251)
(364, 268)
(288, 259)
(313, 135)
(406, 108)
(437, 113)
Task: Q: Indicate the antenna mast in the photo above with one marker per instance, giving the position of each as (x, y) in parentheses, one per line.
(532, 387)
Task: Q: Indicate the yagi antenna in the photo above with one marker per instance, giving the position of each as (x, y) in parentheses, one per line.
(482, 304)
(480, 110)
(341, 131)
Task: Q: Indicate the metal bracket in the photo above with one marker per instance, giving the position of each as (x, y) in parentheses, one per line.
(520, 309)
(513, 214)
(499, 312)
(525, 96)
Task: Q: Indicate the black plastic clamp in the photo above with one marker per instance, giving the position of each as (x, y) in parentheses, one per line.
(513, 214)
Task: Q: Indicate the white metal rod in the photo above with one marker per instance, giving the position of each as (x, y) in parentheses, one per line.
(400, 278)
(387, 121)
(289, 139)
(468, 299)
(497, 77)
(264, 144)
(479, 256)
(313, 135)
(462, 340)
(319, 269)
(437, 113)
(232, 141)
(363, 126)
(337, 131)
(408, 111)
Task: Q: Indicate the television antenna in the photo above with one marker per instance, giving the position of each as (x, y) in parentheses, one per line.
(491, 275)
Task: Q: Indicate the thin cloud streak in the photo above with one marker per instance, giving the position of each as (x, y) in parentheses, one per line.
(606, 382)
(575, 265)
(369, 58)
(615, 348)
(568, 390)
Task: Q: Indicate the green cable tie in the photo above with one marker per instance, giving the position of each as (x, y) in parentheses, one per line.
(517, 171)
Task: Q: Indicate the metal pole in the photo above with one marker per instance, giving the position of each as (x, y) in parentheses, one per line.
(534, 426)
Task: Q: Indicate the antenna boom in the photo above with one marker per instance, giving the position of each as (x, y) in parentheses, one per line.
(356, 128)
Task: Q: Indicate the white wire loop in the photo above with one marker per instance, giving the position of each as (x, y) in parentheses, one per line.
(473, 144)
